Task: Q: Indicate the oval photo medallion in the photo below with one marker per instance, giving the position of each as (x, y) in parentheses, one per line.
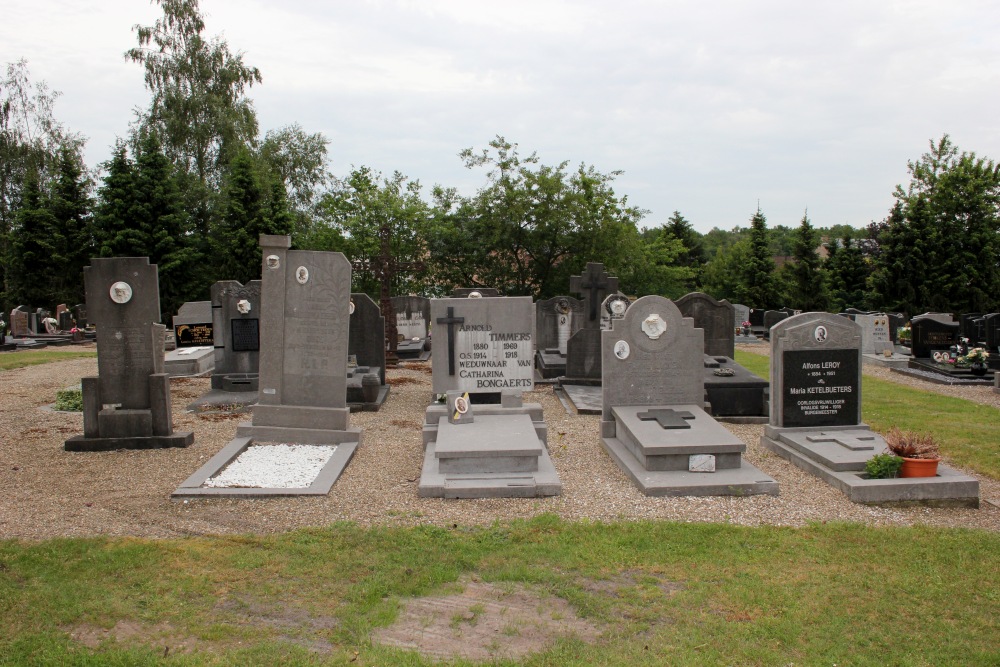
(272, 261)
(622, 349)
(820, 334)
(121, 292)
(302, 275)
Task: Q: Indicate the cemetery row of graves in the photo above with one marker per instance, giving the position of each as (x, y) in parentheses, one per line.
(304, 351)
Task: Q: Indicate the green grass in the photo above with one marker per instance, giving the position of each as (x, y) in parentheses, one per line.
(11, 360)
(965, 430)
(825, 594)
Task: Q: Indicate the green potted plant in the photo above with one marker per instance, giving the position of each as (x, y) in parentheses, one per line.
(919, 451)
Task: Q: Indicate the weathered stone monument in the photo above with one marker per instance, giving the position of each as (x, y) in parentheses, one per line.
(304, 323)
(583, 350)
(875, 333)
(474, 292)
(715, 318)
(236, 314)
(816, 422)
(413, 319)
(653, 424)
(19, 322)
(127, 406)
(556, 320)
(366, 387)
(490, 444)
(194, 352)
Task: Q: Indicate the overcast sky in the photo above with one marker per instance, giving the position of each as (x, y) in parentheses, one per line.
(707, 107)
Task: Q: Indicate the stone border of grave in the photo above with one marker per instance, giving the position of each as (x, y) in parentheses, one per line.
(193, 486)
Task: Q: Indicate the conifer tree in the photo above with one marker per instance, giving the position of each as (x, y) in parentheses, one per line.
(757, 284)
(32, 249)
(848, 273)
(808, 289)
(116, 233)
(244, 219)
(693, 256)
(72, 239)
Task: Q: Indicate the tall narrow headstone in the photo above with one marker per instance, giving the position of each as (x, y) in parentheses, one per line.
(583, 352)
(413, 317)
(127, 406)
(875, 334)
(19, 323)
(653, 424)
(816, 415)
(556, 320)
(366, 346)
(304, 329)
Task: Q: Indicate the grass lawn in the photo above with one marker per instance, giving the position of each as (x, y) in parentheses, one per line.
(10, 360)
(691, 594)
(966, 431)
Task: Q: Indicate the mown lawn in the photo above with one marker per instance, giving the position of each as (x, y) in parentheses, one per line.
(11, 360)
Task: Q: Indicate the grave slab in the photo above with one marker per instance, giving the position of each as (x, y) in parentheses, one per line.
(189, 361)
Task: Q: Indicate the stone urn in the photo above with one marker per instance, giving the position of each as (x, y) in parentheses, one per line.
(370, 386)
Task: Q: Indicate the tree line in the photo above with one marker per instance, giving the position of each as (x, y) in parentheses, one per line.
(194, 182)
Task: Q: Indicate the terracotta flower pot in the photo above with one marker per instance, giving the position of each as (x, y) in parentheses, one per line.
(919, 467)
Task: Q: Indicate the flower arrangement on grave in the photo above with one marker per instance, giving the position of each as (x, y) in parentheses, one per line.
(919, 451)
(976, 355)
(904, 334)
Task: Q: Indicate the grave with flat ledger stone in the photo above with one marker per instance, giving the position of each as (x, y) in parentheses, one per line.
(304, 323)
(816, 422)
(413, 318)
(484, 348)
(877, 347)
(556, 320)
(127, 406)
(653, 424)
(194, 352)
(938, 334)
(366, 387)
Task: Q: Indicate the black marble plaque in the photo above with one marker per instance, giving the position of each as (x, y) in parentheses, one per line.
(246, 334)
(194, 335)
(821, 388)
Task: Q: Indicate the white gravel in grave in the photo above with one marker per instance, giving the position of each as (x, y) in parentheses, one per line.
(274, 466)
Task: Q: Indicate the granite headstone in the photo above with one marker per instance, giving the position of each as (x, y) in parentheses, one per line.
(715, 318)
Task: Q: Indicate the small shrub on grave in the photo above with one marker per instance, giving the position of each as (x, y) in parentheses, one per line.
(883, 466)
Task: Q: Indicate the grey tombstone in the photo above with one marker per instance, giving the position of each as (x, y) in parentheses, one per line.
(583, 350)
(413, 319)
(715, 318)
(613, 309)
(875, 333)
(236, 314)
(80, 315)
(304, 329)
(741, 314)
(127, 406)
(366, 343)
(474, 292)
(484, 347)
(556, 320)
(816, 422)
(653, 424)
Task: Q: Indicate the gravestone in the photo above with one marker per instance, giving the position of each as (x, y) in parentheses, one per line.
(193, 324)
(19, 323)
(583, 350)
(485, 347)
(613, 309)
(772, 317)
(556, 320)
(757, 320)
(875, 333)
(80, 315)
(413, 318)
(474, 292)
(930, 332)
(304, 327)
(967, 327)
(653, 424)
(991, 332)
(715, 318)
(194, 343)
(66, 321)
(741, 314)
(236, 313)
(366, 344)
(127, 406)
(815, 419)
(734, 393)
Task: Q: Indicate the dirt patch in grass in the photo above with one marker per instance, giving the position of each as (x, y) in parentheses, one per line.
(613, 586)
(129, 632)
(484, 622)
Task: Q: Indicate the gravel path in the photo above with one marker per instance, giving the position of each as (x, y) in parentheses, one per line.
(50, 492)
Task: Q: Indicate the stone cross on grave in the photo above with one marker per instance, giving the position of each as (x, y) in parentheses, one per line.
(852, 440)
(385, 267)
(594, 284)
(667, 418)
(451, 321)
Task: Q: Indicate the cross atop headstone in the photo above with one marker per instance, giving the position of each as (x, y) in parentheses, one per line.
(594, 284)
(385, 267)
(849, 439)
(451, 321)
(667, 418)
